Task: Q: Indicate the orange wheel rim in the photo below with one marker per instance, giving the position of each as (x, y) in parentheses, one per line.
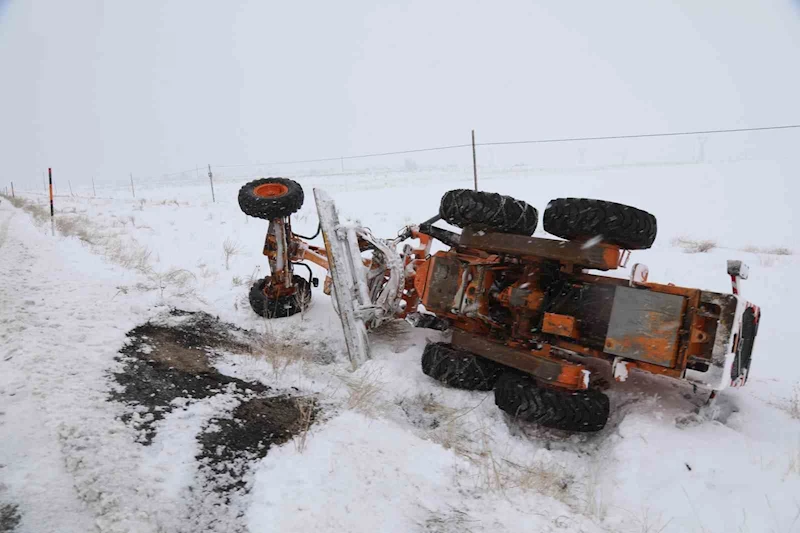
(270, 190)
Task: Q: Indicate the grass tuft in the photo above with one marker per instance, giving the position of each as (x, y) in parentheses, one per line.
(229, 249)
(691, 246)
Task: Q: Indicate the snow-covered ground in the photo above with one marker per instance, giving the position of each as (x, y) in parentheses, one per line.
(393, 450)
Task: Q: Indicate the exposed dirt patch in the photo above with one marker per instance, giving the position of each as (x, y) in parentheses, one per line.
(230, 444)
(164, 361)
(9, 517)
(168, 363)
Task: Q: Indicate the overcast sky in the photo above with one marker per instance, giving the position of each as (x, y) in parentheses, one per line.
(102, 88)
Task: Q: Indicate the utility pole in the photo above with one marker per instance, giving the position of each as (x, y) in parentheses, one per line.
(133, 192)
(94, 191)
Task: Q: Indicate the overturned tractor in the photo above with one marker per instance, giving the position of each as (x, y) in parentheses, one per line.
(528, 315)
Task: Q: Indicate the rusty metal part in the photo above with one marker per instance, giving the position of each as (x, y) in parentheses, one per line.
(276, 248)
(600, 256)
(720, 311)
(644, 326)
(443, 277)
(537, 362)
(315, 254)
(561, 325)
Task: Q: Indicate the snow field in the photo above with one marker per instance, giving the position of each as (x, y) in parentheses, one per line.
(395, 451)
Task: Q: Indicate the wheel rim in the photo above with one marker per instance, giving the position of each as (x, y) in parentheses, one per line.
(270, 190)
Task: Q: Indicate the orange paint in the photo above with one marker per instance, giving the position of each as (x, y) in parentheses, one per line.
(562, 325)
(270, 190)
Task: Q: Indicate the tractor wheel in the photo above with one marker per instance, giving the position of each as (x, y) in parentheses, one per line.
(283, 306)
(488, 211)
(582, 219)
(521, 397)
(459, 368)
(271, 198)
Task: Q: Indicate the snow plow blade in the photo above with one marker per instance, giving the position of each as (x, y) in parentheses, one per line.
(346, 270)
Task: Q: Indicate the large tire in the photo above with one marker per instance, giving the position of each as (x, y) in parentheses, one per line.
(518, 395)
(271, 198)
(744, 353)
(582, 219)
(280, 307)
(488, 211)
(459, 368)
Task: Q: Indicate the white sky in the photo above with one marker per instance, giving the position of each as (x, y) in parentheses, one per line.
(106, 88)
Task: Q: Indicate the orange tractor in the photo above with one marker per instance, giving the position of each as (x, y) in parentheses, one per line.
(528, 315)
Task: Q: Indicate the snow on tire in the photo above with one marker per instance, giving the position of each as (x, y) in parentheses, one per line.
(521, 397)
(584, 219)
(459, 368)
(488, 211)
(281, 307)
(270, 198)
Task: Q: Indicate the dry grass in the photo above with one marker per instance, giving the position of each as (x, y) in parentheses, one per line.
(176, 278)
(121, 252)
(77, 226)
(794, 462)
(229, 249)
(593, 503)
(779, 251)
(790, 405)
(451, 520)
(449, 427)
(169, 202)
(647, 522)
(280, 349)
(502, 475)
(455, 430)
(39, 212)
(771, 250)
(691, 246)
(307, 407)
(364, 392)
(794, 402)
(128, 255)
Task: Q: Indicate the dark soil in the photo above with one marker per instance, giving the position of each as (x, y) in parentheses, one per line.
(9, 517)
(163, 363)
(256, 425)
(173, 359)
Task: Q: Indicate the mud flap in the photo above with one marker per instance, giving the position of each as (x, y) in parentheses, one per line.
(346, 271)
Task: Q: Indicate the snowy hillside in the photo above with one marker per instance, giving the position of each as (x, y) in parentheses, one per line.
(90, 444)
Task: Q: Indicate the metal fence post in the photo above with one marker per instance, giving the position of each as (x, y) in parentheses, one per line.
(474, 161)
(50, 173)
(211, 180)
